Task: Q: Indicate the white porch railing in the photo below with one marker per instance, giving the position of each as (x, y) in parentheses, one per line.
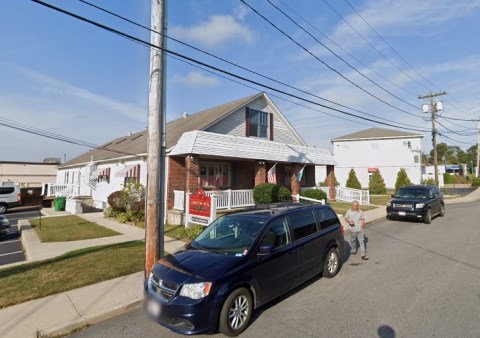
(347, 194)
(63, 190)
(228, 199)
(178, 200)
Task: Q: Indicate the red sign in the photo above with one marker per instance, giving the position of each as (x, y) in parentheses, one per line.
(200, 204)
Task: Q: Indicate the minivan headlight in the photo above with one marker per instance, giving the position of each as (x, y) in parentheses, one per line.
(196, 290)
(389, 203)
(419, 205)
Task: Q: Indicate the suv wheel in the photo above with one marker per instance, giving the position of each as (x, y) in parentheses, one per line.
(332, 264)
(442, 211)
(236, 313)
(3, 208)
(428, 217)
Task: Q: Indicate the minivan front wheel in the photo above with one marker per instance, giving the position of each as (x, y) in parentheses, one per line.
(236, 313)
(428, 217)
(3, 208)
(332, 264)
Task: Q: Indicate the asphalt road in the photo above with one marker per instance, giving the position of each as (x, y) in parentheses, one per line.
(11, 250)
(421, 281)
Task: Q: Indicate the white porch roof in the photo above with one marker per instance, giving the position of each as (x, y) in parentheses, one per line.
(220, 145)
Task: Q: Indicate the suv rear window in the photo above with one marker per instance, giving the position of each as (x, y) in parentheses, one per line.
(325, 217)
(303, 224)
(6, 190)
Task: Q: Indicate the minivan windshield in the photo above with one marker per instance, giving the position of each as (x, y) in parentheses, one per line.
(230, 235)
(412, 193)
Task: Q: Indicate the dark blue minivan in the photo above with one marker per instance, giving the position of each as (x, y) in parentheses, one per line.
(240, 262)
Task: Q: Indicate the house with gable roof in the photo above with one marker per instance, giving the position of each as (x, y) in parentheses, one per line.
(228, 148)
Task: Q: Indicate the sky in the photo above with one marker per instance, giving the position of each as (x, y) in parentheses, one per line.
(64, 76)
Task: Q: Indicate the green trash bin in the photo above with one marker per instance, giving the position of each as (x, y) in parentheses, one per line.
(59, 203)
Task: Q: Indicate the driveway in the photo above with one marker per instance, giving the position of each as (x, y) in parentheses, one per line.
(421, 281)
(11, 250)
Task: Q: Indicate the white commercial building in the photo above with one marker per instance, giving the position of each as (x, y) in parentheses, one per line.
(378, 149)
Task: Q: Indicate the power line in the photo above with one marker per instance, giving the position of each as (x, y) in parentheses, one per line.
(353, 57)
(396, 52)
(340, 58)
(231, 63)
(321, 61)
(182, 56)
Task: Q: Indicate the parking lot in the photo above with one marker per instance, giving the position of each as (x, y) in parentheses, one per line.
(11, 250)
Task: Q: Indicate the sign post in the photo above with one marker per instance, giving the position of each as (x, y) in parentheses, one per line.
(201, 209)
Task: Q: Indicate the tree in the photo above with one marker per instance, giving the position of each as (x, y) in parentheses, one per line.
(402, 179)
(377, 184)
(352, 180)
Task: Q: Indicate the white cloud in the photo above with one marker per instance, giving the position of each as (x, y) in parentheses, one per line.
(195, 79)
(240, 12)
(217, 30)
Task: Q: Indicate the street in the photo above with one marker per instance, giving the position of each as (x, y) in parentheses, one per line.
(421, 281)
(11, 250)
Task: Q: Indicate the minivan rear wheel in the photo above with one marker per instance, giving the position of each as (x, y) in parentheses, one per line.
(3, 208)
(442, 211)
(236, 313)
(332, 264)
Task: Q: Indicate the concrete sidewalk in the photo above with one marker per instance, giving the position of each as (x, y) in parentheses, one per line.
(36, 250)
(474, 196)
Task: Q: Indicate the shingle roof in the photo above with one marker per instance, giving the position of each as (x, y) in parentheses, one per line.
(136, 144)
(376, 133)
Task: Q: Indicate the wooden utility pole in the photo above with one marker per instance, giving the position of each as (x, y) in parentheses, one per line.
(433, 111)
(155, 205)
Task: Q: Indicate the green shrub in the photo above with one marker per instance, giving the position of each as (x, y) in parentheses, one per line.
(377, 184)
(447, 178)
(352, 180)
(429, 181)
(123, 217)
(315, 194)
(402, 179)
(266, 193)
(476, 182)
(116, 200)
(284, 194)
(191, 232)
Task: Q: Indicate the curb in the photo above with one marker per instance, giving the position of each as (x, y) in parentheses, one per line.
(22, 226)
(85, 321)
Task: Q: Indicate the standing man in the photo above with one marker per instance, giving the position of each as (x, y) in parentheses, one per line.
(356, 220)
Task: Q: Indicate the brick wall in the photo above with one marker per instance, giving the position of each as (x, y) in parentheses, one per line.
(176, 177)
(260, 171)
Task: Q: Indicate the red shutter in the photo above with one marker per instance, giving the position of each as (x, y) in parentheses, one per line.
(247, 122)
(271, 127)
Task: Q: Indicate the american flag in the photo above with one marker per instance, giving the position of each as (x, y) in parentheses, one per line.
(300, 173)
(272, 175)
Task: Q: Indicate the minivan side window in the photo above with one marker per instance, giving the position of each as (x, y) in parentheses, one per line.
(6, 190)
(303, 224)
(325, 217)
(277, 234)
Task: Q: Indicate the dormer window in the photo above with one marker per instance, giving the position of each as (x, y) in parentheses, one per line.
(259, 121)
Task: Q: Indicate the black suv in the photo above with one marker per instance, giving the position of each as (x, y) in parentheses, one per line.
(240, 262)
(419, 202)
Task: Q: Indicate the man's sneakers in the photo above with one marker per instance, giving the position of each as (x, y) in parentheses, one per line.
(365, 258)
(353, 252)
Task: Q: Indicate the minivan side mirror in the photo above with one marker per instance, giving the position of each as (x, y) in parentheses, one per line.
(393, 195)
(265, 250)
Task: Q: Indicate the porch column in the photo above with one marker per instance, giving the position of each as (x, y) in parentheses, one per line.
(295, 185)
(260, 171)
(331, 182)
(192, 171)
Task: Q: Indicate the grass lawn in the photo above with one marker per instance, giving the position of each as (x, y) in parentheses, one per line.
(342, 207)
(72, 270)
(380, 199)
(68, 228)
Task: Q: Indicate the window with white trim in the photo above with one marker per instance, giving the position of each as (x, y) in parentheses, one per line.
(259, 123)
(214, 174)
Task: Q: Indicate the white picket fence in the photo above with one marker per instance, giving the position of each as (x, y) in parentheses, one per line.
(347, 194)
(226, 199)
